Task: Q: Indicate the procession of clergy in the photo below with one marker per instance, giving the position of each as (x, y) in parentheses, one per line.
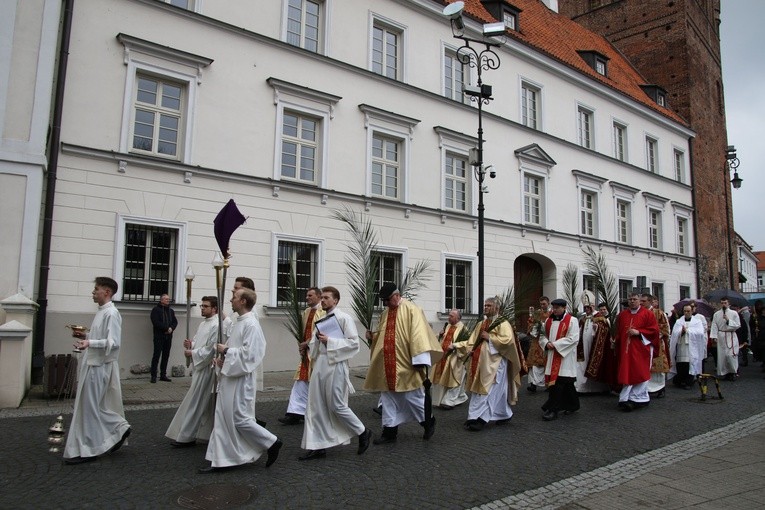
(567, 356)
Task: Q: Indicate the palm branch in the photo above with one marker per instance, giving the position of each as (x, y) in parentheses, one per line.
(415, 279)
(571, 288)
(294, 323)
(605, 282)
(362, 264)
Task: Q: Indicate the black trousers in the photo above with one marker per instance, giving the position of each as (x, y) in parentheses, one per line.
(162, 344)
(562, 396)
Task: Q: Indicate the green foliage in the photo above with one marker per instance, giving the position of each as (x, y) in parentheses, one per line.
(605, 283)
(362, 264)
(294, 323)
(571, 288)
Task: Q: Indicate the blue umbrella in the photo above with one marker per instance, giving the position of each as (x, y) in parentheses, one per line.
(734, 298)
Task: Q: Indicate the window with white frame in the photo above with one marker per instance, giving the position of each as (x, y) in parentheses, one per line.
(386, 49)
(388, 267)
(304, 24)
(625, 289)
(657, 291)
(584, 127)
(589, 282)
(455, 76)
(654, 229)
(388, 138)
(456, 178)
(620, 141)
(679, 165)
(183, 4)
(299, 258)
(386, 166)
(685, 292)
(533, 199)
(149, 255)
(300, 147)
(588, 213)
(159, 102)
(458, 287)
(158, 116)
(530, 105)
(682, 235)
(623, 222)
(651, 163)
(302, 131)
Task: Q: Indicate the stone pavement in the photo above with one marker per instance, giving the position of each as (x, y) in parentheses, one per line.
(678, 453)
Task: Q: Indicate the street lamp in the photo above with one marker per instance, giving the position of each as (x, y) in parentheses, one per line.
(481, 60)
(731, 163)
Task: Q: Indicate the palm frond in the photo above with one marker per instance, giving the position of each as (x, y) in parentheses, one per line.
(571, 288)
(605, 282)
(294, 321)
(415, 279)
(362, 264)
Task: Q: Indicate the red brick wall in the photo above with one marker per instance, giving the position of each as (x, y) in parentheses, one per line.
(676, 45)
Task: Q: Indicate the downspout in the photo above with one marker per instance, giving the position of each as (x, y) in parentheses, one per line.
(38, 343)
(695, 217)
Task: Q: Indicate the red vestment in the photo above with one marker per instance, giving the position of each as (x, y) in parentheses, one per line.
(633, 355)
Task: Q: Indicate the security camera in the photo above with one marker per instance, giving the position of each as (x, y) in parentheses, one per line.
(492, 172)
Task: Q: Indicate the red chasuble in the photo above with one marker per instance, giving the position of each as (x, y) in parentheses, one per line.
(445, 344)
(557, 358)
(634, 356)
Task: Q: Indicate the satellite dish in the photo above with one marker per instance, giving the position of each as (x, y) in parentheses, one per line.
(454, 10)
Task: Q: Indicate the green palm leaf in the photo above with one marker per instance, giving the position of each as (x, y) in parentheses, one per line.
(294, 323)
(605, 282)
(415, 279)
(571, 288)
(362, 264)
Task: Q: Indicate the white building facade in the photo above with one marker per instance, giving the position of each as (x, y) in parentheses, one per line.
(298, 108)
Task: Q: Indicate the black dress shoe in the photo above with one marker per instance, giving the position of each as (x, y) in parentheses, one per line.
(153, 380)
(208, 469)
(364, 438)
(550, 415)
(384, 440)
(313, 454)
(119, 443)
(626, 406)
(260, 422)
(165, 379)
(273, 452)
(532, 388)
(467, 424)
(430, 428)
(290, 419)
(476, 425)
(79, 460)
(185, 444)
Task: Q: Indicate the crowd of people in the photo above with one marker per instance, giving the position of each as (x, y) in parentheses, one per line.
(631, 354)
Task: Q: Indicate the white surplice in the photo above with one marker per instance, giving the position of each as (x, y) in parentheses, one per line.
(690, 347)
(99, 420)
(194, 417)
(328, 419)
(236, 437)
(727, 340)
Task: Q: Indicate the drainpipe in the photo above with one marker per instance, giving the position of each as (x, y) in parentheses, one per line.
(38, 342)
(695, 218)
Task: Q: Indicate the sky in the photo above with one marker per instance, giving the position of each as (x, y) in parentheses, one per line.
(742, 40)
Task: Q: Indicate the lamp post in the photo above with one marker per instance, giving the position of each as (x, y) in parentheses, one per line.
(731, 163)
(480, 60)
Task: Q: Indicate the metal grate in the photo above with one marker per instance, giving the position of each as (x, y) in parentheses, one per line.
(150, 259)
(299, 258)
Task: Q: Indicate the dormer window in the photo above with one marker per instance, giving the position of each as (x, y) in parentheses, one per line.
(510, 20)
(504, 12)
(658, 94)
(595, 60)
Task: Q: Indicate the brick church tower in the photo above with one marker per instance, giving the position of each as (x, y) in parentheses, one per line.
(676, 46)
